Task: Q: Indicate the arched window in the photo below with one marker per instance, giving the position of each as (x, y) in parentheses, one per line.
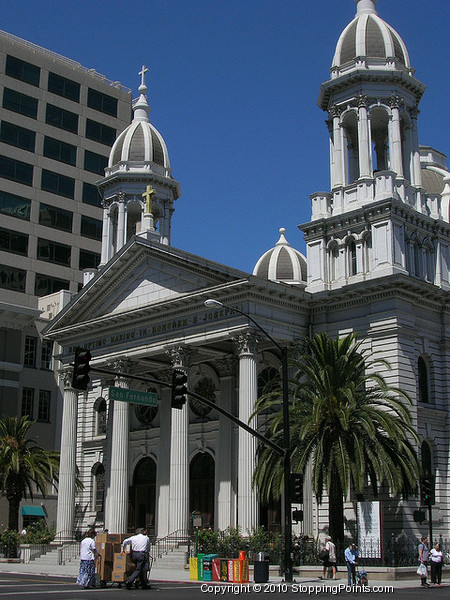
(206, 388)
(100, 416)
(352, 259)
(333, 261)
(98, 487)
(422, 369)
(426, 458)
(268, 381)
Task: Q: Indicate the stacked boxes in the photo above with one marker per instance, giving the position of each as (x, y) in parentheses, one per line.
(114, 566)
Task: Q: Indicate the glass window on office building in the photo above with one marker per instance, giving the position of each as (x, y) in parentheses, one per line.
(94, 162)
(45, 284)
(89, 260)
(64, 87)
(16, 170)
(20, 103)
(29, 356)
(61, 118)
(12, 278)
(91, 195)
(17, 136)
(58, 184)
(56, 218)
(47, 355)
(58, 150)
(27, 402)
(14, 206)
(91, 228)
(100, 132)
(20, 69)
(53, 252)
(44, 406)
(13, 241)
(102, 102)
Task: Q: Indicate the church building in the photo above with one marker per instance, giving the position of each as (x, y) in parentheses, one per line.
(378, 264)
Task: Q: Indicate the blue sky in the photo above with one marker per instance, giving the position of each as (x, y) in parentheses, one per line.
(233, 86)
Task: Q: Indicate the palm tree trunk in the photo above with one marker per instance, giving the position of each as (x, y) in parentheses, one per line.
(13, 513)
(336, 512)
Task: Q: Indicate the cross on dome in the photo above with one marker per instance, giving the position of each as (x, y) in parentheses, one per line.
(142, 89)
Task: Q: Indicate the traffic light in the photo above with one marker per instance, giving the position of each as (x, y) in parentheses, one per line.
(427, 490)
(81, 368)
(179, 389)
(297, 488)
(297, 515)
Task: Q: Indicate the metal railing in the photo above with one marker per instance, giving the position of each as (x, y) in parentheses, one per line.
(169, 542)
(68, 552)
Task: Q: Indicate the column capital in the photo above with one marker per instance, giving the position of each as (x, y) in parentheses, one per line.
(121, 197)
(246, 343)
(65, 375)
(180, 356)
(362, 101)
(124, 366)
(395, 101)
(335, 111)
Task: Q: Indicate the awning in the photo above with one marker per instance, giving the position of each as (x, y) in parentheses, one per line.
(33, 511)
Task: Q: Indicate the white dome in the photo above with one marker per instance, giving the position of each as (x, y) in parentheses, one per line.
(140, 143)
(282, 263)
(369, 37)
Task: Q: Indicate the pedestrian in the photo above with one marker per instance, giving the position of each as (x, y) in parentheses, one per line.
(423, 560)
(140, 549)
(351, 554)
(332, 560)
(88, 555)
(437, 558)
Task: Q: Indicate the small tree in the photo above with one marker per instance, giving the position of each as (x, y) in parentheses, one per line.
(23, 465)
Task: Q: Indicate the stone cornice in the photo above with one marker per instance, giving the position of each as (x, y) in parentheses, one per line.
(399, 286)
(381, 209)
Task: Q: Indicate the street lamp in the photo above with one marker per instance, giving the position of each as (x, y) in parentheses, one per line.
(286, 439)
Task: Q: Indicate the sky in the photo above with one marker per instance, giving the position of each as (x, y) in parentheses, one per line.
(233, 87)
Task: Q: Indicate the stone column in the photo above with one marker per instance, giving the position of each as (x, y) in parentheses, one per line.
(163, 471)
(225, 473)
(121, 232)
(179, 454)
(365, 167)
(116, 514)
(106, 234)
(248, 395)
(416, 179)
(395, 136)
(67, 463)
(337, 160)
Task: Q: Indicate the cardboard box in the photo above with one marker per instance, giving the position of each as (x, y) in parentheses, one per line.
(106, 550)
(123, 559)
(119, 576)
(105, 570)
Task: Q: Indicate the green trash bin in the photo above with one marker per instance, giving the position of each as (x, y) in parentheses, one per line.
(207, 566)
(200, 558)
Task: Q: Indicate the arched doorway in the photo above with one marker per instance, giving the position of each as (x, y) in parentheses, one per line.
(143, 496)
(201, 487)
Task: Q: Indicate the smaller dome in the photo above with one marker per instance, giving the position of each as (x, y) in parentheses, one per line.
(369, 37)
(282, 263)
(140, 142)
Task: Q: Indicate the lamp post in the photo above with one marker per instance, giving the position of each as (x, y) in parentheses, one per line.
(286, 440)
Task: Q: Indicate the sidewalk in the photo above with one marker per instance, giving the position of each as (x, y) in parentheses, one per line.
(182, 576)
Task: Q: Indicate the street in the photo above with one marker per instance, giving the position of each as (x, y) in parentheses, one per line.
(38, 587)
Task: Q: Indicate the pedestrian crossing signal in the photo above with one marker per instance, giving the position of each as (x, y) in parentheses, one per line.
(81, 368)
(179, 389)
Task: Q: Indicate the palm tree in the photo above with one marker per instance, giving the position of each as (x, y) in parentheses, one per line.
(23, 465)
(344, 420)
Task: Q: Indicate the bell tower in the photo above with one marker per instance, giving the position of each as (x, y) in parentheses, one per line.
(138, 189)
(378, 218)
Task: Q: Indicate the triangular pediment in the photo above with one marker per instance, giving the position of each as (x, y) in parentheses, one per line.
(143, 274)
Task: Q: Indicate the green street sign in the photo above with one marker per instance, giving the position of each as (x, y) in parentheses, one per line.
(133, 396)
